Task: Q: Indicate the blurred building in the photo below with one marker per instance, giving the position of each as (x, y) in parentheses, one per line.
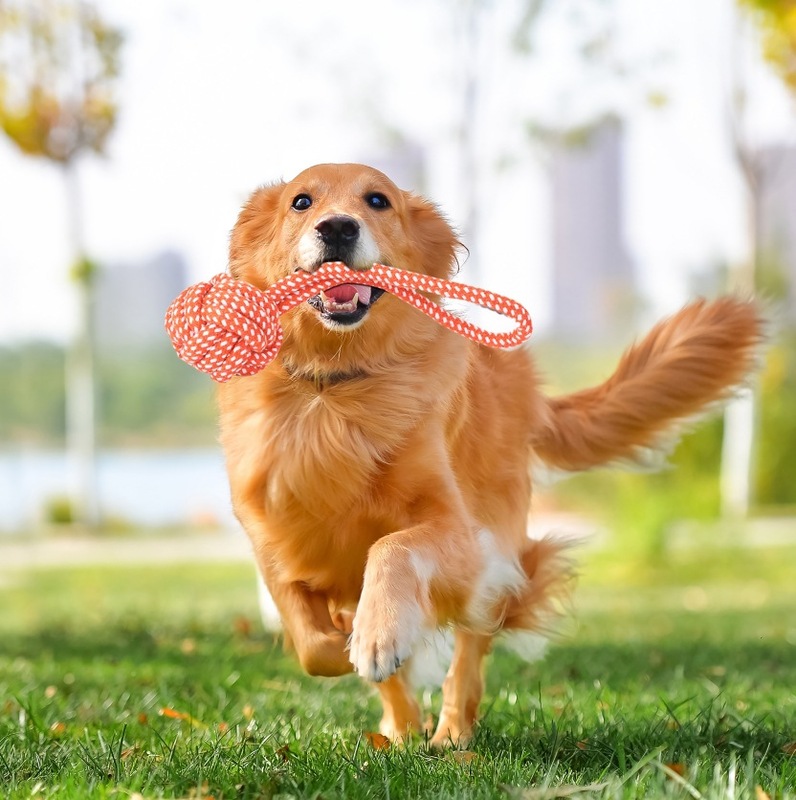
(594, 288)
(132, 299)
(777, 217)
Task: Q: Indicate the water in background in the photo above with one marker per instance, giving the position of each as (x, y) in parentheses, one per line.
(140, 487)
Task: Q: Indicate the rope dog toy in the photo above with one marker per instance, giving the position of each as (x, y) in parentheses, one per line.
(228, 328)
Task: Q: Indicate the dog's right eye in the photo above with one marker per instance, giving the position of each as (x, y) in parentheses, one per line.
(301, 202)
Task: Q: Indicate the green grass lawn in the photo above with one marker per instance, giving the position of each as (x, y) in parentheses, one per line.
(675, 681)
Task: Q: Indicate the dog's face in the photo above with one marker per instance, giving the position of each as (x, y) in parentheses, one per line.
(339, 212)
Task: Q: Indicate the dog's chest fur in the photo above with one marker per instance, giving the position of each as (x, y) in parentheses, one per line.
(329, 460)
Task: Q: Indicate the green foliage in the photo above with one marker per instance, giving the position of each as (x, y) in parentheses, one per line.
(59, 510)
(84, 270)
(148, 397)
(640, 507)
(58, 67)
(776, 21)
(776, 455)
(151, 396)
(91, 657)
(32, 399)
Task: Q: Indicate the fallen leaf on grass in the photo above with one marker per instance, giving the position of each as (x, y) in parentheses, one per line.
(58, 728)
(677, 767)
(673, 772)
(200, 793)
(173, 714)
(464, 757)
(197, 793)
(181, 715)
(761, 794)
(789, 748)
(284, 752)
(377, 741)
(188, 647)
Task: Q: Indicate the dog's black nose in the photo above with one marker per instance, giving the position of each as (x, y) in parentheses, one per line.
(338, 230)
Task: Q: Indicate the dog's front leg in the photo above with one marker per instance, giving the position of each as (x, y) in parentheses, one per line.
(392, 609)
(319, 644)
(413, 578)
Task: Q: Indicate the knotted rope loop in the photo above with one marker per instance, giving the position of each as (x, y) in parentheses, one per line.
(224, 327)
(227, 327)
(408, 285)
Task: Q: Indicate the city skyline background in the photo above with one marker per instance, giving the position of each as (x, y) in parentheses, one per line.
(215, 102)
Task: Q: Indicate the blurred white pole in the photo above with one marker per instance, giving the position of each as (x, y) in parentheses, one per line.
(737, 455)
(80, 426)
(737, 451)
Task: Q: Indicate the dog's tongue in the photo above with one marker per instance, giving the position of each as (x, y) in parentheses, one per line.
(344, 293)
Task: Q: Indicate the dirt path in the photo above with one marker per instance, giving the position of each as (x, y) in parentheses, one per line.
(59, 551)
(63, 551)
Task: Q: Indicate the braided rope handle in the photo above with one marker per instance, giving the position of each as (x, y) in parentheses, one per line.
(227, 327)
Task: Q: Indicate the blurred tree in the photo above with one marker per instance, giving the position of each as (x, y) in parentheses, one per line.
(59, 62)
(776, 21)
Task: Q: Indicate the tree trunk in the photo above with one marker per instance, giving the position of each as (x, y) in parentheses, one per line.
(80, 399)
(737, 454)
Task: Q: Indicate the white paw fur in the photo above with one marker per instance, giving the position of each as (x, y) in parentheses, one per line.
(383, 639)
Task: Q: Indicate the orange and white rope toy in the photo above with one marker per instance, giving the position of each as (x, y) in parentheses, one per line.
(228, 328)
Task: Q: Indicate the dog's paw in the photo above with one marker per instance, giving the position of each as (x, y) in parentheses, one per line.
(451, 738)
(383, 639)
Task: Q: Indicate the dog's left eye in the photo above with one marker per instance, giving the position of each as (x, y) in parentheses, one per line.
(377, 200)
(301, 202)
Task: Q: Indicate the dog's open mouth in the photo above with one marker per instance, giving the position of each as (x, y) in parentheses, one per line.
(347, 303)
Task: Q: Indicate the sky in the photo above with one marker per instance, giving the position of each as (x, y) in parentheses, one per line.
(218, 98)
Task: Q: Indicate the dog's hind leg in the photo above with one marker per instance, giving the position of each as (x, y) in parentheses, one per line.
(462, 690)
(401, 716)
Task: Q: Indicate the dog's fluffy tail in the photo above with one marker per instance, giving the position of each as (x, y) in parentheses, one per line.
(685, 365)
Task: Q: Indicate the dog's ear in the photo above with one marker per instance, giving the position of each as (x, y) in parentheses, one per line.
(255, 228)
(433, 236)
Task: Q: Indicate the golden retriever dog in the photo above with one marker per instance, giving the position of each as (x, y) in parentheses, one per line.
(381, 465)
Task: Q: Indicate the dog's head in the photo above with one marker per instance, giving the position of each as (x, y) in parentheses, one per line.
(339, 212)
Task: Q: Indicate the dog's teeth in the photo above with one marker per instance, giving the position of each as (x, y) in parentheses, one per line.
(349, 305)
